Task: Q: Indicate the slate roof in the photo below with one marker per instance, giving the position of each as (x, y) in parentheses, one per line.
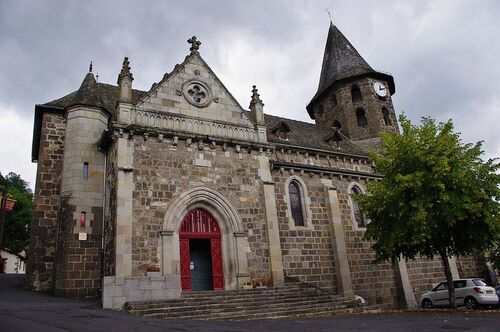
(302, 134)
(309, 135)
(342, 61)
(96, 94)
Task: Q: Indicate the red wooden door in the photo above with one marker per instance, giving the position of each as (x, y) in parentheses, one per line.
(217, 276)
(200, 224)
(185, 265)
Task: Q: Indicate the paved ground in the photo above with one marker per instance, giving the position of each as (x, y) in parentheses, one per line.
(22, 310)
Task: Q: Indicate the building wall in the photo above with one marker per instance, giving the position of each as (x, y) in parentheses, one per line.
(46, 202)
(307, 251)
(79, 242)
(12, 263)
(163, 170)
(424, 274)
(110, 211)
(376, 283)
(472, 267)
(344, 111)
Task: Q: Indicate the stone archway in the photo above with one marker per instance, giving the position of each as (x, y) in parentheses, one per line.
(234, 243)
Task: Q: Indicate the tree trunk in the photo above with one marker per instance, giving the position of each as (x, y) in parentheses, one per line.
(449, 280)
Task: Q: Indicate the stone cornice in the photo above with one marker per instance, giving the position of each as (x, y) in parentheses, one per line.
(282, 165)
(199, 140)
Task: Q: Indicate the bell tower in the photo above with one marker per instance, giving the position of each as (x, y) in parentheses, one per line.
(351, 95)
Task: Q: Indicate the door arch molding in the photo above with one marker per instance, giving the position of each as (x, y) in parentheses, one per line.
(234, 241)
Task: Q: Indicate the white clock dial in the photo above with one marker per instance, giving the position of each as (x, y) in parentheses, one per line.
(380, 89)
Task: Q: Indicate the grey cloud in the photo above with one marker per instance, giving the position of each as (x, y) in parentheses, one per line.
(443, 55)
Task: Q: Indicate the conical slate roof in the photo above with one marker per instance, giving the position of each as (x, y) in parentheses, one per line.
(341, 61)
(88, 93)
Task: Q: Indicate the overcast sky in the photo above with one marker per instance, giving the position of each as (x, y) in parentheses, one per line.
(444, 55)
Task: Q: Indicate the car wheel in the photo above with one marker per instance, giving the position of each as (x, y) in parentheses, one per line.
(427, 304)
(471, 303)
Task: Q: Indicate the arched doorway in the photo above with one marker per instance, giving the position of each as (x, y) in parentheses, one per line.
(200, 252)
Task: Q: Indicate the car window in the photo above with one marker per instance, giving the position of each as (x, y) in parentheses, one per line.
(441, 286)
(459, 283)
(478, 282)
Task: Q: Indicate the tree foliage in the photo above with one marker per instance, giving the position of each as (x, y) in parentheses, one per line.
(16, 230)
(437, 197)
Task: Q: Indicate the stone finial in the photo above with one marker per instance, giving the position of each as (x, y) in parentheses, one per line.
(255, 96)
(257, 107)
(125, 72)
(90, 67)
(195, 44)
(125, 79)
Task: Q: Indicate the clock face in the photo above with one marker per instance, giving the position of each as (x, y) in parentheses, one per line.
(380, 89)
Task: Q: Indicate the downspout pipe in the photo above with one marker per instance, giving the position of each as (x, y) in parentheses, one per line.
(103, 149)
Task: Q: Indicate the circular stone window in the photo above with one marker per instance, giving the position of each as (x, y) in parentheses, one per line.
(197, 93)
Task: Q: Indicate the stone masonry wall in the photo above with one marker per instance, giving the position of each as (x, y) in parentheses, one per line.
(163, 170)
(46, 202)
(307, 251)
(110, 213)
(376, 283)
(78, 262)
(344, 110)
(472, 267)
(80, 237)
(424, 274)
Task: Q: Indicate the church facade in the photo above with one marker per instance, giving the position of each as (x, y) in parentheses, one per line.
(183, 181)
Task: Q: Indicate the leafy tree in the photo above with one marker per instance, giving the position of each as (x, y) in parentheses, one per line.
(437, 197)
(16, 230)
(494, 253)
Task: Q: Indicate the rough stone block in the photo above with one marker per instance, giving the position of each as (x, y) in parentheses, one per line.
(119, 301)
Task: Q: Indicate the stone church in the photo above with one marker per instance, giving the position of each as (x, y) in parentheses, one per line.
(183, 179)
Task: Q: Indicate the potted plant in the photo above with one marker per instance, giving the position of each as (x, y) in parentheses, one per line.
(9, 203)
(247, 285)
(259, 283)
(153, 270)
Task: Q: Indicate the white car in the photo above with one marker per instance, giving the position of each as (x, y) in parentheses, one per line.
(468, 292)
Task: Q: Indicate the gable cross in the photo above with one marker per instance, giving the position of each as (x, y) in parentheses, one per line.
(195, 44)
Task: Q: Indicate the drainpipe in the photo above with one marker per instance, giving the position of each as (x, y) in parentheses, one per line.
(103, 228)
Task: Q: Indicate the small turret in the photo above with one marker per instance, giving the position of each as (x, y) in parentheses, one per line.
(257, 107)
(125, 79)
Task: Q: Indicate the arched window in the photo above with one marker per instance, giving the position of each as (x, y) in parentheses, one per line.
(361, 117)
(387, 119)
(356, 94)
(357, 214)
(296, 203)
(337, 124)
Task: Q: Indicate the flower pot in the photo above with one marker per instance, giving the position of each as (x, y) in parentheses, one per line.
(9, 204)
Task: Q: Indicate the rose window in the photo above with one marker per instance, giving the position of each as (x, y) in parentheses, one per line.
(197, 93)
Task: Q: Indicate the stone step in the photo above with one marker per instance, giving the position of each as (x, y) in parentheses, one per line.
(245, 304)
(244, 298)
(256, 314)
(223, 307)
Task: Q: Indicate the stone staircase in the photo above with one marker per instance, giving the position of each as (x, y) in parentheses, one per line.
(290, 301)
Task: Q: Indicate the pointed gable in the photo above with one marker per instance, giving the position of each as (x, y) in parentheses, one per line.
(193, 90)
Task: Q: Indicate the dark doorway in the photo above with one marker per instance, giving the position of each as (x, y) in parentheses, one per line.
(200, 264)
